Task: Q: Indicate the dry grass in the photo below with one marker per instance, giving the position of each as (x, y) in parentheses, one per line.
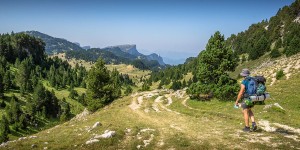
(201, 125)
(184, 124)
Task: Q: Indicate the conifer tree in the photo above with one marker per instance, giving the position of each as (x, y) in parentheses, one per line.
(4, 129)
(23, 75)
(38, 99)
(184, 83)
(81, 99)
(128, 90)
(7, 80)
(14, 110)
(65, 110)
(1, 86)
(214, 63)
(100, 88)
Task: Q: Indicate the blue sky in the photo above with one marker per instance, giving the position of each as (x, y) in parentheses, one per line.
(175, 29)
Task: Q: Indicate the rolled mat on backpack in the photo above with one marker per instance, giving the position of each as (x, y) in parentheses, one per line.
(262, 97)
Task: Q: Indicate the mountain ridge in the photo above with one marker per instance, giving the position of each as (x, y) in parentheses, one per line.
(59, 45)
(53, 44)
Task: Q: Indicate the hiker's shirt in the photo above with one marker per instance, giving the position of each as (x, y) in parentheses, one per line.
(245, 82)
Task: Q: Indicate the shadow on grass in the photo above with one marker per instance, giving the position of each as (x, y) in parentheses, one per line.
(284, 131)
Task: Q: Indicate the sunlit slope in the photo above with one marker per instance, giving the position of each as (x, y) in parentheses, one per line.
(163, 119)
(166, 119)
(133, 72)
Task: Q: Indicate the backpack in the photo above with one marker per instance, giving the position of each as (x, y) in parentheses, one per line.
(256, 86)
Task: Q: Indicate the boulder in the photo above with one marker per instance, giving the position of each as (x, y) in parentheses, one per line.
(107, 134)
(91, 141)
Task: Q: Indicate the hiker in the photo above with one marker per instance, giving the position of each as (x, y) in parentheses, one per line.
(246, 107)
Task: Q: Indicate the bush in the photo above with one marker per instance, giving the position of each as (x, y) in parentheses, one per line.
(275, 53)
(145, 87)
(73, 94)
(243, 59)
(81, 99)
(176, 85)
(279, 74)
(128, 90)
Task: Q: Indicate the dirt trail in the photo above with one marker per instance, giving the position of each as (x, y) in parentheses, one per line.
(169, 121)
(184, 103)
(165, 116)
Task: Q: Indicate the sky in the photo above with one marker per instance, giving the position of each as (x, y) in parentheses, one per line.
(174, 29)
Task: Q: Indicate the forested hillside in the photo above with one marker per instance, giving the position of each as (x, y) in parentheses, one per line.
(31, 82)
(122, 54)
(114, 56)
(55, 45)
(274, 37)
(279, 34)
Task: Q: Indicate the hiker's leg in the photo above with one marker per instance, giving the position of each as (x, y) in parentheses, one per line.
(251, 115)
(246, 116)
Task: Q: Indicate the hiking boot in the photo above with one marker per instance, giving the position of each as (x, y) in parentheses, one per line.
(246, 129)
(254, 126)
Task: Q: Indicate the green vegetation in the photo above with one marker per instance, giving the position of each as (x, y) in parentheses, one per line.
(38, 92)
(101, 89)
(275, 53)
(198, 125)
(27, 104)
(4, 129)
(281, 29)
(279, 74)
(34, 91)
(175, 74)
(114, 56)
(212, 77)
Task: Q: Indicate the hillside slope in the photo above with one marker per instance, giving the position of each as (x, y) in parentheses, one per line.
(164, 119)
(55, 45)
(269, 67)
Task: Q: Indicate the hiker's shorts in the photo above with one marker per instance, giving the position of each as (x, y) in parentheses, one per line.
(245, 106)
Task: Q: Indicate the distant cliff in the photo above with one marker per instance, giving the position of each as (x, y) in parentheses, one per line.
(131, 49)
(127, 53)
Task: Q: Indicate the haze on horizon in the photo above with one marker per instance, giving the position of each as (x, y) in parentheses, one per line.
(175, 29)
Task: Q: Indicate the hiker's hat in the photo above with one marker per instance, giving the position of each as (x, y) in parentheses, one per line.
(245, 72)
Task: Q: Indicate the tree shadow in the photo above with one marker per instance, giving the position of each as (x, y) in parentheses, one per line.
(284, 131)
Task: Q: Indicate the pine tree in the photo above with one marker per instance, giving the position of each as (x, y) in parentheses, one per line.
(1, 86)
(190, 82)
(128, 90)
(184, 83)
(65, 110)
(52, 76)
(81, 99)
(4, 129)
(99, 86)
(38, 99)
(7, 81)
(73, 94)
(14, 110)
(214, 63)
(275, 53)
(145, 86)
(23, 75)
